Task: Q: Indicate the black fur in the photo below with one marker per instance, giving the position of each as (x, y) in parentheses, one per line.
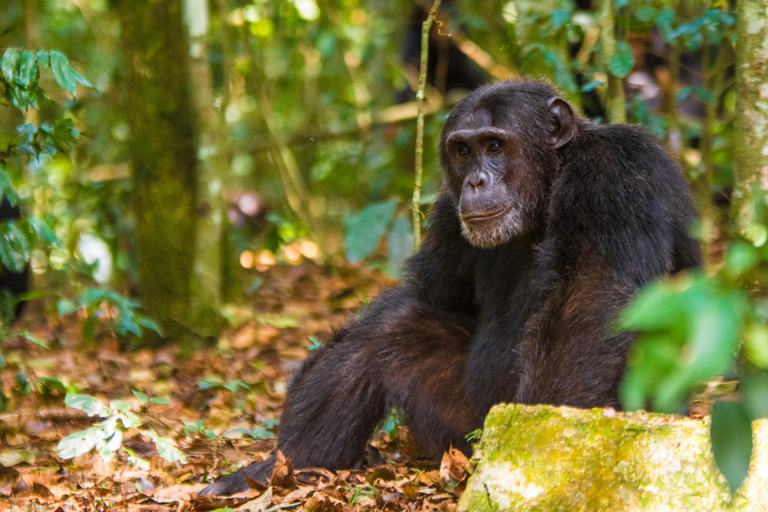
(526, 321)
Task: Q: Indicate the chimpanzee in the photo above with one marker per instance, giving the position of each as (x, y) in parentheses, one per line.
(547, 227)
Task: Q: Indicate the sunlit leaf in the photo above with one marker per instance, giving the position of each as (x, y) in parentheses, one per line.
(88, 404)
(28, 69)
(63, 72)
(42, 58)
(166, 448)
(10, 63)
(42, 230)
(560, 17)
(6, 187)
(34, 339)
(80, 442)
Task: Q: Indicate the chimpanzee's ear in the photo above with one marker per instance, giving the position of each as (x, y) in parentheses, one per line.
(563, 122)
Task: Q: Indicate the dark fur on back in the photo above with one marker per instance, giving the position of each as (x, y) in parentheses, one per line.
(526, 321)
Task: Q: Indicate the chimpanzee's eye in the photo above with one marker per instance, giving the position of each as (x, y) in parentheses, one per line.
(463, 150)
(494, 147)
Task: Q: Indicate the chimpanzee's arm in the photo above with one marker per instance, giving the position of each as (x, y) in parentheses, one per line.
(442, 274)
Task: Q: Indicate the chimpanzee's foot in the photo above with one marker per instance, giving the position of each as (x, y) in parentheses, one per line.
(236, 482)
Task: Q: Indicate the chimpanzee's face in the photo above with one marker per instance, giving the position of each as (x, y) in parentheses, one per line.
(498, 161)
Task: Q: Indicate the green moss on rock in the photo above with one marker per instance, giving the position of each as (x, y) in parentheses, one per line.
(542, 458)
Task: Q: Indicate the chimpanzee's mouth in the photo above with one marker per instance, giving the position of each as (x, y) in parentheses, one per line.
(486, 215)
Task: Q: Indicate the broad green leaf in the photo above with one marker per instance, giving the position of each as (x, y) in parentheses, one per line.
(683, 93)
(140, 396)
(715, 331)
(166, 448)
(150, 324)
(662, 303)
(14, 248)
(88, 404)
(664, 23)
(65, 307)
(740, 258)
(646, 13)
(51, 383)
(365, 229)
(42, 58)
(756, 344)
(704, 95)
(112, 445)
(622, 61)
(731, 441)
(63, 72)
(10, 64)
(560, 17)
(42, 230)
(28, 69)
(754, 394)
(211, 381)
(120, 405)
(234, 384)
(652, 358)
(6, 187)
(92, 297)
(129, 420)
(80, 442)
(10, 458)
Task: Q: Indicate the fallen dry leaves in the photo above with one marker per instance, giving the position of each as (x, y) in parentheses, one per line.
(239, 383)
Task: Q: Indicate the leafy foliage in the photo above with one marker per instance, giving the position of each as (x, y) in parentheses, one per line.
(693, 328)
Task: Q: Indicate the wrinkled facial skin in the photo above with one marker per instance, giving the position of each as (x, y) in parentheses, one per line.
(498, 155)
(489, 206)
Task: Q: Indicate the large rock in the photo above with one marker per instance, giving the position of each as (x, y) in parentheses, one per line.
(563, 459)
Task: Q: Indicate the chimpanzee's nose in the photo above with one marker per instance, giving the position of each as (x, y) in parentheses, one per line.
(478, 179)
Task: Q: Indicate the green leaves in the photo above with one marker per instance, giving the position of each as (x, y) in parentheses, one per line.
(87, 404)
(365, 229)
(731, 433)
(28, 69)
(622, 61)
(689, 329)
(106, 437)
(21, 73)
(127, 321)
(166, 448)
(65, 74)
(10, 64)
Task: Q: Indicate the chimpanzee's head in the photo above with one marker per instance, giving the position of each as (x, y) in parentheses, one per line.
(498, 153)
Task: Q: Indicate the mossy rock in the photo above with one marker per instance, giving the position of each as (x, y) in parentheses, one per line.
(542, 458)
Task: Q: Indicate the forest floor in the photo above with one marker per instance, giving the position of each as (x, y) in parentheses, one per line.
(223, 401)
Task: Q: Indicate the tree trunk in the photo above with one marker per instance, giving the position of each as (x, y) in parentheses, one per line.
(751, 139)
(163, 153)
(212, 166)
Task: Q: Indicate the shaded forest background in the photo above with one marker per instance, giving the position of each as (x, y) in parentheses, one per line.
(220, 178)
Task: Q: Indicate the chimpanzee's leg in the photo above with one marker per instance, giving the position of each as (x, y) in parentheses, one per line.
(400, 353)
